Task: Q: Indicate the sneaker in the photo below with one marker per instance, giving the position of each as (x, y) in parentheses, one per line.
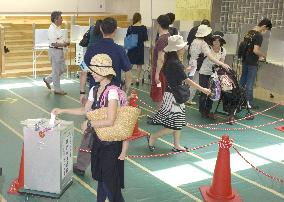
(78, 171)
(251, 106)
(60, 92)
(46, 83)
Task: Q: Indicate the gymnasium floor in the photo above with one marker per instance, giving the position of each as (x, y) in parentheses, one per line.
(163, 179)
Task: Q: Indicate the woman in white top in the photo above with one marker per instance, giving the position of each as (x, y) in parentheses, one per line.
(198, 47)
(219, 52)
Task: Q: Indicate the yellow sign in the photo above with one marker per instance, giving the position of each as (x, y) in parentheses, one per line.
(193, 9)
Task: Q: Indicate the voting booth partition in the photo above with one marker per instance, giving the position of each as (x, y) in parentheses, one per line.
(48, 157)
(76, 35)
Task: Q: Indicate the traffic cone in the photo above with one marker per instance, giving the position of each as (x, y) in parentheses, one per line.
(18, 183)
(221, 189)
(136, 132)
(281, 128)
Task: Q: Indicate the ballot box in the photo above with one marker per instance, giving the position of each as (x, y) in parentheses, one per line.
(48, 157)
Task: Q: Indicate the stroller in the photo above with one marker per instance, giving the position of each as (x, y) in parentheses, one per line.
(232, 95)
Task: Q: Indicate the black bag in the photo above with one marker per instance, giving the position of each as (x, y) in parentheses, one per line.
(181, 93)
(246, 45)
(86, 38)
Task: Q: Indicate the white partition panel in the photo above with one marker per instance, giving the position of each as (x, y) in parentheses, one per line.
(119, 36)
(275, 52)
(231, 43)
(77, 33)
(41, 37)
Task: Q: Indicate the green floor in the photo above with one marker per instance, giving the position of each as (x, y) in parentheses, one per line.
(167, 179)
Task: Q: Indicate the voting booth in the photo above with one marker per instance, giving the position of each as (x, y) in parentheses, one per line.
(48, 157)
(76, 35)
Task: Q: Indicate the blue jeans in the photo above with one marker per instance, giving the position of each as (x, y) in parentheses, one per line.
(247, 80)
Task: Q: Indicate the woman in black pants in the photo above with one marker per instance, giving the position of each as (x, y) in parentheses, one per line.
(219, 52)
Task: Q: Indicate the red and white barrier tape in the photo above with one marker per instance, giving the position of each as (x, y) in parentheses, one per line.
(244, 128)
(257, 169)
(230, 129)
(161, 155)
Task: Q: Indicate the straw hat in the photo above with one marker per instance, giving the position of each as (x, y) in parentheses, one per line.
(101, 64)
(203, 30)
(175, 43)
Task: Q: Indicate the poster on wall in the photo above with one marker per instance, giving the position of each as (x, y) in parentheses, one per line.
(193, 9)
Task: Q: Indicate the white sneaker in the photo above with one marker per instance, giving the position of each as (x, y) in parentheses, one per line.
(249, 106)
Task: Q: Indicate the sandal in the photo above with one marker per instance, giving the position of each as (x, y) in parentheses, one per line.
(180, 150)
(151, 148)
(231, 120)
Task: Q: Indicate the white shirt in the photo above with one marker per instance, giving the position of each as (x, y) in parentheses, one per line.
(206, 68)
(197, 46)
(55, 34)
(112, 95)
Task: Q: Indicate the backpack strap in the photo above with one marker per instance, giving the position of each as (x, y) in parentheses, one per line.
(92, 36)
(121, 96)
(95, 92)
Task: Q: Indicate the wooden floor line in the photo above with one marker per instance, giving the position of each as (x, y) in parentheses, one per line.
(35, 105)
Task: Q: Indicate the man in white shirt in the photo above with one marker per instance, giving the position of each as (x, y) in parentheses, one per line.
(55, 52)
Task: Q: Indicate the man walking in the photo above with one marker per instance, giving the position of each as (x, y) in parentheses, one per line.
(55, 52)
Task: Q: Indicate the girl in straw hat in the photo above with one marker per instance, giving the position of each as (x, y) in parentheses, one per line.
(171, 114)
(107, 158)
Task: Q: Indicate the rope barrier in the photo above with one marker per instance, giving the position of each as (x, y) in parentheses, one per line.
(244, 128)
(162, 155)
(230, 129)
(257, 169)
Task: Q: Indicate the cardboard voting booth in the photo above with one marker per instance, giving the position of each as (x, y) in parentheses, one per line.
(48, 160)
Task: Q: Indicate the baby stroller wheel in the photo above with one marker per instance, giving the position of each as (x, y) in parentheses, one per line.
(249, 116)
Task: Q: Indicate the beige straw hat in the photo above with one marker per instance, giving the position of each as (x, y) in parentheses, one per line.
(101, 64)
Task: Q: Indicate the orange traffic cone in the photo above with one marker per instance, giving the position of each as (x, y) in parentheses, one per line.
(136, 132)
(221, 189)
(281, 128)
(18, 183)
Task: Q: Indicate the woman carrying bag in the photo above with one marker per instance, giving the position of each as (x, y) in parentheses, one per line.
(136, 55)
(107, 157)
(172, 113)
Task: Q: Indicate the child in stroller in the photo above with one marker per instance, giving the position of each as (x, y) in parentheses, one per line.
(232, 95)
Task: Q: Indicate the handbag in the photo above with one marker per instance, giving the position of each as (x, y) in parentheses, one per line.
(226, 83)
(86, 37)
(123, 126)
(181, 93)
(131, 40)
